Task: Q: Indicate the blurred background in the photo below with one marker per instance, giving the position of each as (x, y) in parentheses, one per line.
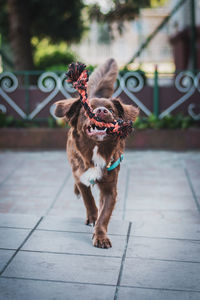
(156, 44)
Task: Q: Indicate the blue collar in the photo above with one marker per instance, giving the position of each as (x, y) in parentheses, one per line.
(116, 163)
(111, 167)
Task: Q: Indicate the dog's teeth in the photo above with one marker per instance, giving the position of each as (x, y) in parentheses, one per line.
(95, 129)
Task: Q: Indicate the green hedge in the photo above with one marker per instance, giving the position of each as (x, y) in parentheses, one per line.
(168, 122)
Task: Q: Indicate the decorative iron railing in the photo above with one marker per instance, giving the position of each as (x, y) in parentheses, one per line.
(36, 100)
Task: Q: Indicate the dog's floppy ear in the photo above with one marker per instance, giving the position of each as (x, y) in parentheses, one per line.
(126, 111)
(68, 108)
(101, 82)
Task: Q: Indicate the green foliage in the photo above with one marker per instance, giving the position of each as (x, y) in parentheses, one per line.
(54, 57)
(91, 68)
(3, 17)
(56, 20)
(168, 122)
(51, 122)
(119, 11)
(155, 3)
(10, 121)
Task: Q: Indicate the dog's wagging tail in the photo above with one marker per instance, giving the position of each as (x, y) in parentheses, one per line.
(78, 76)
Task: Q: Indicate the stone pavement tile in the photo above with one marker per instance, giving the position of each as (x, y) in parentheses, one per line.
(6, 207)
(18, 220)
(153, 294)
(20, 289)
(148, 171)
(160, 202)
(73, 243)
(47, 179)
(25, 205)
(67, 199)
(11, 156)
(192, 165)
(5, 255)
(156, 171)
(41, 164)
(170, 216)
(77, 225)
(42, 161)
(168, 157)
(167, 230)
(50, 157)
(5, 173)
(62, 267)
(196, 184)
(63, 212)
(34, 164)
(10, 190)
(11, 238)
(144, 178)
(198, 200)
(161, 274)
(167, 249)
(79, 213)
(41, 171)
(69, 203)
(117, 214)
(158, 190)
(9, 162)
(194, 172)
(121, 187)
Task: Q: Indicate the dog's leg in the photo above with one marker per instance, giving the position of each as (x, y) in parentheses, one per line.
(76, 190)
(91, 209)
(108, 194)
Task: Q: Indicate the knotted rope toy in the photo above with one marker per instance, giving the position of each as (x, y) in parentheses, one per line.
(78, 76)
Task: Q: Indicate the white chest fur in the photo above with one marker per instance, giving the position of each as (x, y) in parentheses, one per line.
(94, 173)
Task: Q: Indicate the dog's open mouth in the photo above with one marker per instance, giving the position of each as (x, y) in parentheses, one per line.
(93, 130)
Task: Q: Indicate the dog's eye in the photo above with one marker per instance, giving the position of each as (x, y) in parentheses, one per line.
(110, 110)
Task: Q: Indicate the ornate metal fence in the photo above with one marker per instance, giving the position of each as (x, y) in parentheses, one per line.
(36, 100)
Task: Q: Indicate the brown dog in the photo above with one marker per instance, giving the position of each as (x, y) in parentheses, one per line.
(91, 151)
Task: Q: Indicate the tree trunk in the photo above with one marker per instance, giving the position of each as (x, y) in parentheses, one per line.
(19, 34)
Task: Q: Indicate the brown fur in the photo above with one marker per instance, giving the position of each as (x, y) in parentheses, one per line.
(83, 142)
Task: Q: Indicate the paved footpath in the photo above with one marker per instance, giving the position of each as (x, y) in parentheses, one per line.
(46, 250)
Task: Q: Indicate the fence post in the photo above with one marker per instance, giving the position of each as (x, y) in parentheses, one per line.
(193, 43)
(156, 93)
(26, 81)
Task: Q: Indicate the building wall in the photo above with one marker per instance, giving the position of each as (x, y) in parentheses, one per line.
(182, 19)
(181, 35)
(122, 47)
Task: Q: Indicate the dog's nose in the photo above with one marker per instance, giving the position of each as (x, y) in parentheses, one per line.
(101, 111)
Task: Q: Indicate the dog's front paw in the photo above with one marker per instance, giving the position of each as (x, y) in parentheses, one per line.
(90, 220)
(101, 241)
